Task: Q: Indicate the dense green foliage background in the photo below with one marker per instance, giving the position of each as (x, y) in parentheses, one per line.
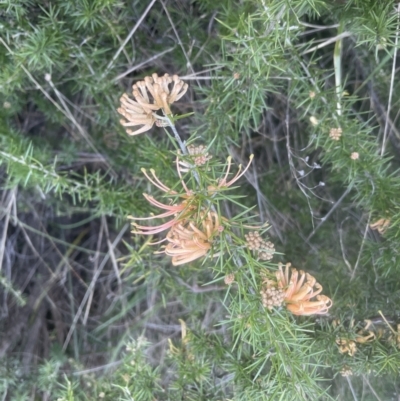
(90, 312)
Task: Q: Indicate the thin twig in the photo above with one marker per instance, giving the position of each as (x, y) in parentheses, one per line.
(328, 42)
(95, 268)
(81, 130)
(91, 287)
(11, 201)
(196, 289)
(338, 202)
(181, 143)
(337, 62)
(351, 389)
(189, 64)
(385, 134)
(342, 248)
(361, 248)
(127, 39)
(140, 65)
(371, 388)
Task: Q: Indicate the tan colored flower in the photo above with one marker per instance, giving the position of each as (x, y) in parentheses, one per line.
(365, 336)
(381, 225)
(335, 133)
(346, 346)
(135, 115)
(300, 288)
(191, 240)
(312, 94)
(354, 156)
(150, 95)
(158, 87)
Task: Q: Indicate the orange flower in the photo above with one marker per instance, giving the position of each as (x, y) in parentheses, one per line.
(189, 241)
(180, 211)
(223, 182)
(299, 288)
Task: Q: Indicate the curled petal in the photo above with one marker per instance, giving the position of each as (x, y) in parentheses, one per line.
(139, 131)
(300, 290)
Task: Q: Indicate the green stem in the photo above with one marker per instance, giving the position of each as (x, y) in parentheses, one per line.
(337, 58)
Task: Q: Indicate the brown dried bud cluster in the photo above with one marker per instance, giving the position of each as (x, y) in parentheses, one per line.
(254, 242)
(346, 371)
(271, 295)
(335, 133)
(199, 154)
(229, 279)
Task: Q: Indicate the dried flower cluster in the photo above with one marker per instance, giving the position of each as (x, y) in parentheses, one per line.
(381, 225)
(363, 336)
(355, 156)
(254, 242)
(346, 346)
(150, 95)
(335, 133)
(394, 337)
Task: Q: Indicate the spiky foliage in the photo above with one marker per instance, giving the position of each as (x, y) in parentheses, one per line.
(88, 311)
